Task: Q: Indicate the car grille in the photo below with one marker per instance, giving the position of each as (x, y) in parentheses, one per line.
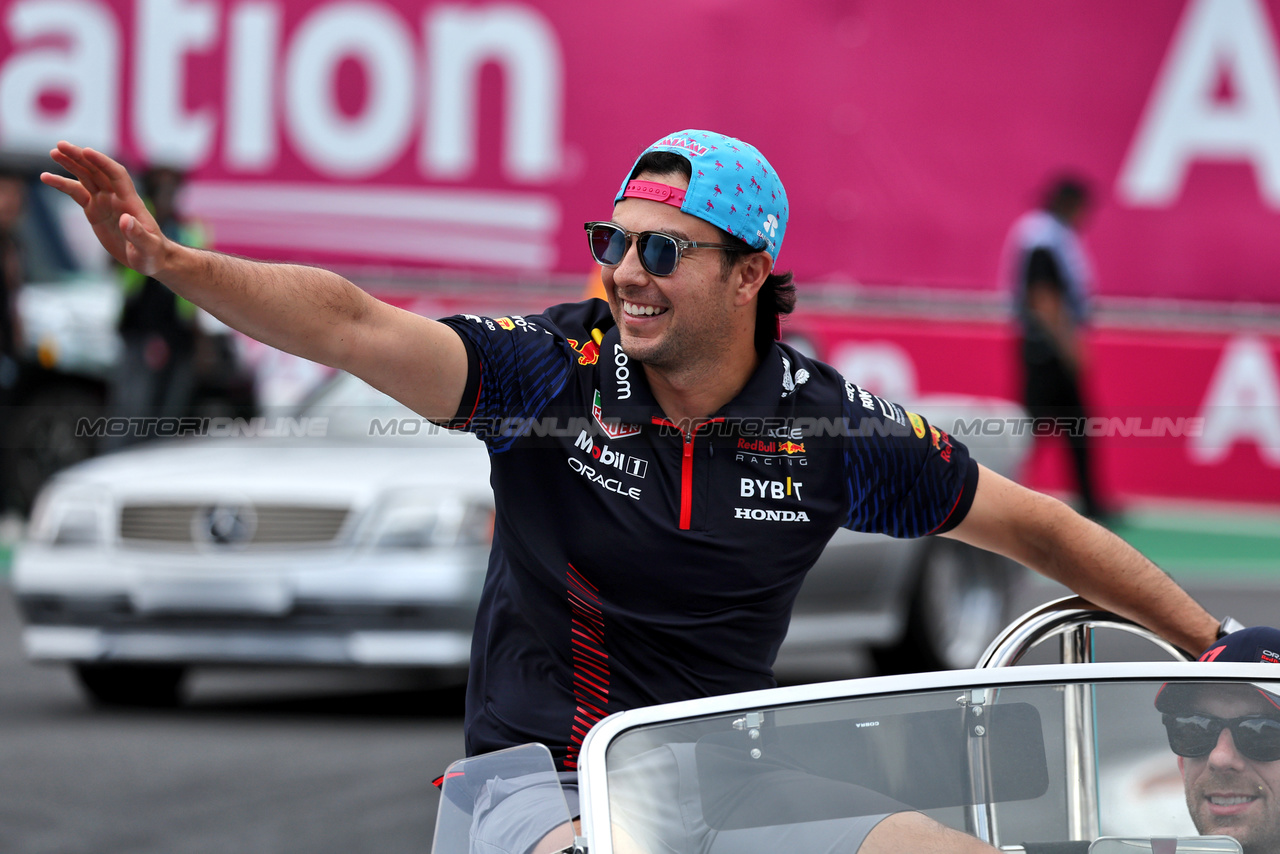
(230, 524)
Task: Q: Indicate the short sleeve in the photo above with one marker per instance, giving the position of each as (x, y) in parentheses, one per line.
(906, 477)
(515, 368)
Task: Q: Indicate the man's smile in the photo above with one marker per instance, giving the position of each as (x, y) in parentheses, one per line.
(633, 309)
(1229, 803)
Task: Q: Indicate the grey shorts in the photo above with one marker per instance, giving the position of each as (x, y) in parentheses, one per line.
(658, 805)
(511, 816)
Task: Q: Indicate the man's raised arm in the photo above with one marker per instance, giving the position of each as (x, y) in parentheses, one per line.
(1043, 533)
(307, 311)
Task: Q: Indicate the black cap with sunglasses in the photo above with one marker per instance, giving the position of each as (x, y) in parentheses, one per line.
(1256, 736)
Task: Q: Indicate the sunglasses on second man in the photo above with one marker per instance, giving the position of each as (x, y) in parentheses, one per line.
(1256, 737)
(659, 253)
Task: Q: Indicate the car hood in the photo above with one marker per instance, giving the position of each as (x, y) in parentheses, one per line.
(318, 472)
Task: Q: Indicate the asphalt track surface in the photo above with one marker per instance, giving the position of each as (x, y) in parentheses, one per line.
(256, 762)
(331, 762)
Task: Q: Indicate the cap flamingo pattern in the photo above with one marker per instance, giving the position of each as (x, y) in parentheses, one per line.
(761, 220)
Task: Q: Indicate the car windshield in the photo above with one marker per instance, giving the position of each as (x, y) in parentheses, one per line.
(1050, 762)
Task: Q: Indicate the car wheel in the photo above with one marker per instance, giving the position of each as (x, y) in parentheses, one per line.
(961, 601)
(154, 686)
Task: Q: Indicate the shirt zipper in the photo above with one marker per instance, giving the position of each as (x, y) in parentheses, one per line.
(686, 467)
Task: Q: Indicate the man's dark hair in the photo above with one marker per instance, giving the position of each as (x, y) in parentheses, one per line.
(1067, 195)
(155, 175)
(777, 296)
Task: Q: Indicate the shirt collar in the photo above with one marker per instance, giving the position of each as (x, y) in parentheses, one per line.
(625, 394)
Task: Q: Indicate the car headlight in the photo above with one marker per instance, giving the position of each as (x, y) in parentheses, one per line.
(415, 520)
(71, 517)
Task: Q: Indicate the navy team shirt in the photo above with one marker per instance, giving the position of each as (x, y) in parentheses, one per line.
(636, 563)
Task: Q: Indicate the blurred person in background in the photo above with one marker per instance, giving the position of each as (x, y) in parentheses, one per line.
(12, 201)
(608, 589)
(1051, 282)
(156, 375)
(1227, 740)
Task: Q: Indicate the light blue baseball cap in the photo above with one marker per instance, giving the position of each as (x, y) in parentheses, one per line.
(733, 187)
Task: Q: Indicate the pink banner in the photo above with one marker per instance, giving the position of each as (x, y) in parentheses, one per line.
(477, 137)
(1172, 415)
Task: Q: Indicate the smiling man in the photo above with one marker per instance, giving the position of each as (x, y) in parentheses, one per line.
(1227, 738)
(665, 470)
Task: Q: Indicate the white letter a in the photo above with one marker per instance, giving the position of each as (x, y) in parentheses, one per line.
(1243, 404)
(1184, 122)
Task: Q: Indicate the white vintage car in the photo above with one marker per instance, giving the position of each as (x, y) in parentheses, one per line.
(367, 546)
(1070, 758)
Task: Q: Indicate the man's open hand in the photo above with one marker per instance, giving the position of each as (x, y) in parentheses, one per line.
(113, 207)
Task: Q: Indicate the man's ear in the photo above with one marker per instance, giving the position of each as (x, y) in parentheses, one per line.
(1182, 767)
(752, 270)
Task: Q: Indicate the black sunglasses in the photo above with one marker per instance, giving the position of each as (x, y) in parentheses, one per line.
(1256, 737)
(659, 253)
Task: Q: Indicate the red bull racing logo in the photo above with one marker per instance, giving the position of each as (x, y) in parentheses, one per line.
(942, 442)
(762, 446)
(771, 452)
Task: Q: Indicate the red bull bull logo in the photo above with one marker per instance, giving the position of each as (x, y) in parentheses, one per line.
(588, 353)
(791, 447)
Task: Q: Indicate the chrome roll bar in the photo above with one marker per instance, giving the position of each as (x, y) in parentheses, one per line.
(1073, 619)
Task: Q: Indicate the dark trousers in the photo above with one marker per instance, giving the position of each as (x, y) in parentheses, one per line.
(1051, 391)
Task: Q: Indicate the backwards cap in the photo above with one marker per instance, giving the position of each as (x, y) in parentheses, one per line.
(732, 187)
(1258, 644)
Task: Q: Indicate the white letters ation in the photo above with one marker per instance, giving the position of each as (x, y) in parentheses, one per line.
(251, 69)
(1242, 404)
(368, 143)
(1183, 122)
(60, 80)
(460, 41)
(167, 31)
(78, 57)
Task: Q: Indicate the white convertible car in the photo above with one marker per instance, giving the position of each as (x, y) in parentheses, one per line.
(358, 535)
(1070, 758)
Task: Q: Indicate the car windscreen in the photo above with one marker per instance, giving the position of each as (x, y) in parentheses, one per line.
(1017, 758)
